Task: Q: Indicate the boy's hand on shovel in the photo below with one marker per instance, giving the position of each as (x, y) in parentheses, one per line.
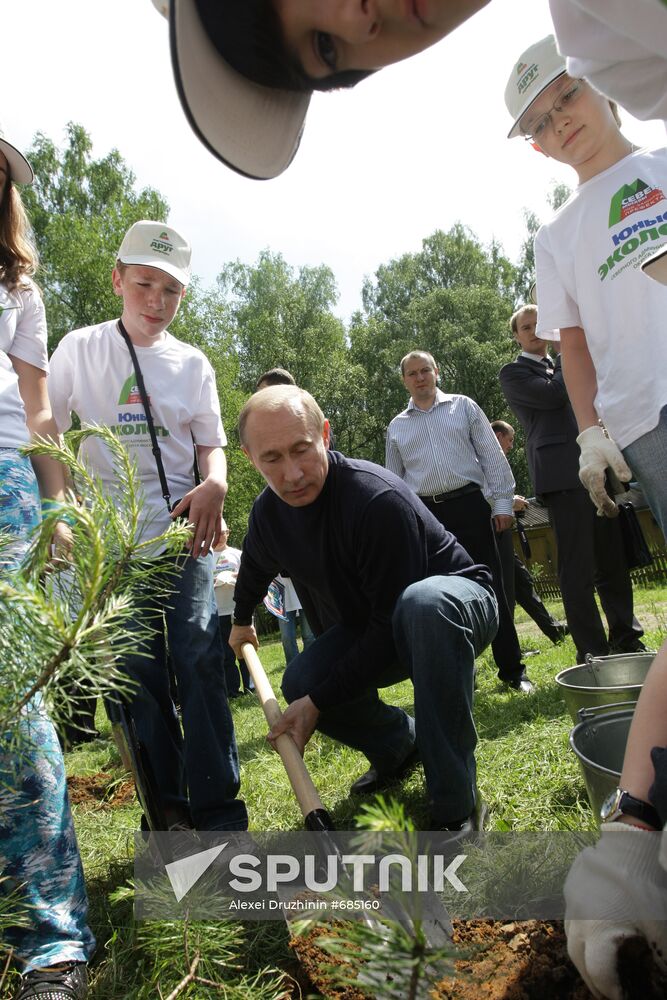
(299, 720)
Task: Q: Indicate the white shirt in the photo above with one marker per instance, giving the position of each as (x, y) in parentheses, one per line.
(92, 375)
(23, 336)
(620, 46)
(587, 261)
(224, 580)
(449, 446)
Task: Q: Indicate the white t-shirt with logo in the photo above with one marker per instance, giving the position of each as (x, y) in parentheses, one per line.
(587, 262)
(620, 46)
(23, 336)
(92, 375)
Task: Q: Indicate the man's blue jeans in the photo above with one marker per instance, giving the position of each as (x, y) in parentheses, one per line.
(440, 625)
(288, 634)
(197, 772)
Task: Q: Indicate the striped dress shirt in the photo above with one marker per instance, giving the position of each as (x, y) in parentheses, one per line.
(447, 447)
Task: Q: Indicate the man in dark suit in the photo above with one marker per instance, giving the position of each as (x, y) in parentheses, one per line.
(590, 548)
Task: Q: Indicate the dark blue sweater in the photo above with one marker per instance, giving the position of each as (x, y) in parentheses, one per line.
(350, 555)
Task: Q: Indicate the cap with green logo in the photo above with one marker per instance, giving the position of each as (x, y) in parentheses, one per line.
(155, 245)
(534, 71)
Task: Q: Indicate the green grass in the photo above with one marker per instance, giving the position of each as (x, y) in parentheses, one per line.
(526, 773)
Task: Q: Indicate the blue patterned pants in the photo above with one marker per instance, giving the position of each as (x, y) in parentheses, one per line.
(39, 856)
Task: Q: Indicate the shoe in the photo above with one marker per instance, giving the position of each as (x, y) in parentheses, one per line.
(631, 646)
(560, 633)
(63, 982)
(374, 781)
(522, 684)
(460, 829)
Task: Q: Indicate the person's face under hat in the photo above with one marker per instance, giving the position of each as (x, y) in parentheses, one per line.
(151, 298)
(331, 36)
(577, 131)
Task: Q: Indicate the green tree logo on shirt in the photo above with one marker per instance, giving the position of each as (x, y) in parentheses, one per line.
(635, 197)
(130, 392)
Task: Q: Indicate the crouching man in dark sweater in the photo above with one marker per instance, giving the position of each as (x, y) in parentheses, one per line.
(389, 594)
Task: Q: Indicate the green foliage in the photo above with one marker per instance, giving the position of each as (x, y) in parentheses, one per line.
(58, 628)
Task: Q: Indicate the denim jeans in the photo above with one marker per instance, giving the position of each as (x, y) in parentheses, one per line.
(197, 771)
(288, 634)
(440, 625)
(39, 856)
(647, 457)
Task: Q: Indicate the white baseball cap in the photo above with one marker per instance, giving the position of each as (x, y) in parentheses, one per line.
(223, 525)
(19, 168)
(536, 69)
(156, 245)
(253, 129)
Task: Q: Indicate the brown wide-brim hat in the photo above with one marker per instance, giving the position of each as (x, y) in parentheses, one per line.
(19, 168)
(255, 130)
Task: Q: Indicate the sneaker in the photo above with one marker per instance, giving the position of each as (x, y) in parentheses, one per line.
(61, 982)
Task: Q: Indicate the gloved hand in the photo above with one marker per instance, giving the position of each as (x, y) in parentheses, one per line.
(599, 453)
(615, 891)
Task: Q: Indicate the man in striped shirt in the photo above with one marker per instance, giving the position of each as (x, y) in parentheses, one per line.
(443, 447)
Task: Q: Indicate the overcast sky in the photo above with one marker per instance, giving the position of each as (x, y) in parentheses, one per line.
(418, 147)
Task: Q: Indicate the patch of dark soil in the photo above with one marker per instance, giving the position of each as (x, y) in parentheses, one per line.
(525, 960)
(99, 791)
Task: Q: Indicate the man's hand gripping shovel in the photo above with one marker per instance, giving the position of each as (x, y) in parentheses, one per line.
(435, 921)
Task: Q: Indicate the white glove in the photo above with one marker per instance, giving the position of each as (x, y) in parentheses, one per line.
(615, 891)
(599, 453)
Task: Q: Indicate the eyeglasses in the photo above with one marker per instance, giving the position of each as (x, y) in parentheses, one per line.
(564, 101)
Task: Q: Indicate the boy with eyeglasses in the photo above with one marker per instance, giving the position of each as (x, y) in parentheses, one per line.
(609, 316)
(589, 279)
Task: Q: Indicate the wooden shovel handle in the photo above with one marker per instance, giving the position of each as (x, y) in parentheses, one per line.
(297, 772)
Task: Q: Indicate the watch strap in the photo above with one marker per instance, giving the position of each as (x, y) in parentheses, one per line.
(627, 805)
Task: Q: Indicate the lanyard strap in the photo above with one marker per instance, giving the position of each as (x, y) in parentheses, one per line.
(155, 447)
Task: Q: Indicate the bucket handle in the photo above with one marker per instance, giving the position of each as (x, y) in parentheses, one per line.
(592, 663)
(595, 710)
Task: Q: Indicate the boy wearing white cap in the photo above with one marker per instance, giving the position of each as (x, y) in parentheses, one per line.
(610, 316)
(590, 284)
(104, 373)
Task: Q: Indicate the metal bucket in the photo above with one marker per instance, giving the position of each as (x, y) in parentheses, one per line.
(599, 742)
(604, 680)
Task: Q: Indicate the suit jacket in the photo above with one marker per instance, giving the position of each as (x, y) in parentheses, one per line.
(541, 404)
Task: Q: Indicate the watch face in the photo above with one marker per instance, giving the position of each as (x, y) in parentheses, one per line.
(610, 804)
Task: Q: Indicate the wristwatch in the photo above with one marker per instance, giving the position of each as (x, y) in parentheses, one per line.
(621, 803)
